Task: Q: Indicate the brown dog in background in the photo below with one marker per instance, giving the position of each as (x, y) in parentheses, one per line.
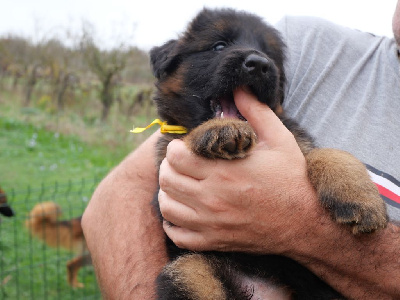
(43, 223)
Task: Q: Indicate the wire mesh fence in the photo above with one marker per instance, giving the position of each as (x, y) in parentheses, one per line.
(29, 267)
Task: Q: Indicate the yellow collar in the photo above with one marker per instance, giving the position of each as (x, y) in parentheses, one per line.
(165, 128)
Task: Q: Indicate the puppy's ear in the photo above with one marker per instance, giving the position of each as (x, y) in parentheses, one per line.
(163, 59)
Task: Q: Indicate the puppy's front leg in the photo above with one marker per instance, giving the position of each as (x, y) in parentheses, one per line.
(221, 138)
(345, 188)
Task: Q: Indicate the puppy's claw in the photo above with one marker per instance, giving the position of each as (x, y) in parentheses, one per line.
(361, 218)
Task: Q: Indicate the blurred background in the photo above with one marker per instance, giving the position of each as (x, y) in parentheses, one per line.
(74, 79)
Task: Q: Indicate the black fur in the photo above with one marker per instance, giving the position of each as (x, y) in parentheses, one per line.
(188, 85)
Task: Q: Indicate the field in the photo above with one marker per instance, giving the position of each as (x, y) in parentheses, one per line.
(60, 156)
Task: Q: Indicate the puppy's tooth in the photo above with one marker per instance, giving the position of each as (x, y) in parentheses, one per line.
(222, 115)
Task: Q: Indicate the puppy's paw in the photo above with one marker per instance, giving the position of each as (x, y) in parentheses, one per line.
(346, 190)
(362, 215)
(222, 138)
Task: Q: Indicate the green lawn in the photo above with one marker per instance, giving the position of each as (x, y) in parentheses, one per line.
(41, 161)
(37, 165)
(30, 155)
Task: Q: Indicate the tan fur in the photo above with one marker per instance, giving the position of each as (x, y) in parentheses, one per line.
(194, 272)
(73, 267)
(43, 223)
(172, 85)
(279, 110)
(3, 197)
(341, 179)
(221, 25)
(222, 138)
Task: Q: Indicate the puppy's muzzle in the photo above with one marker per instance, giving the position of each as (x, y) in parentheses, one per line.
(256, 65)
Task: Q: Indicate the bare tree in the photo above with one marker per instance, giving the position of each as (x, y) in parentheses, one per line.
(140, 100)
(33, 74)
(63, 72)
(107, 65)
(15, 57)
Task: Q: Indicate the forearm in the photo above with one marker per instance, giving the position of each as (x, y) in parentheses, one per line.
(123, 234)
(361, 267)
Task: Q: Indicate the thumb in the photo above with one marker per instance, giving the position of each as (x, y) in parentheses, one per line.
(268, 127)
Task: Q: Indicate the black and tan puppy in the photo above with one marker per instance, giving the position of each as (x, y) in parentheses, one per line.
(196, 76)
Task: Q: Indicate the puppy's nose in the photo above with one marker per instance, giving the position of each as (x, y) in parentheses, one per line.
(256, 65)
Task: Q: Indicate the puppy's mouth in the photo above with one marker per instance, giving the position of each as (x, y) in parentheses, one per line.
(224, 107)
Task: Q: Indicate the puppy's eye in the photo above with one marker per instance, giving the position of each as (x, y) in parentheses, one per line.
(219, 46)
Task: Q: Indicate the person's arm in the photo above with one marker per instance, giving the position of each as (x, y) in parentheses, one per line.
(365, 267)
(265, 204)
(123, 234)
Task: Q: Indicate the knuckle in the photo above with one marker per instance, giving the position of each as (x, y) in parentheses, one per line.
(175, 238)
(180, 243)
(163, 204)
(162, 180)
(173, 153)
(193, 243)
(164, 176)
(216, 206)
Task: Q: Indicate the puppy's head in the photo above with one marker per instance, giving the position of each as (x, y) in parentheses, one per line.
(220, 51)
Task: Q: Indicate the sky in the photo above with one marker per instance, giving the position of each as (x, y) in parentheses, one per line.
(148, 23)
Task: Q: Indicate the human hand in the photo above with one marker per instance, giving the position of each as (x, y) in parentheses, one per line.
(256, 204)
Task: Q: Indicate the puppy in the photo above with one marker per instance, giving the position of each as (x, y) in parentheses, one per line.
(196, 74)
(43, 223)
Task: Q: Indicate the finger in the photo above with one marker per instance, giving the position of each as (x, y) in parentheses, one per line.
(187, 163)
(175, 212)
(268, 127)
(176, 185)
(185, 238)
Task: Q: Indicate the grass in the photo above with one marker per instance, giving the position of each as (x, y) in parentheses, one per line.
(38, 146)
(28, 268)
(37, 165)
(43, 156)
(60, 157)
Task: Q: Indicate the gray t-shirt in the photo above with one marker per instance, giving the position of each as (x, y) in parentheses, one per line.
(344, 88)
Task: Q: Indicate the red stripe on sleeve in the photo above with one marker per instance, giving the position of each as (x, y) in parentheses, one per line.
(388, 194)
